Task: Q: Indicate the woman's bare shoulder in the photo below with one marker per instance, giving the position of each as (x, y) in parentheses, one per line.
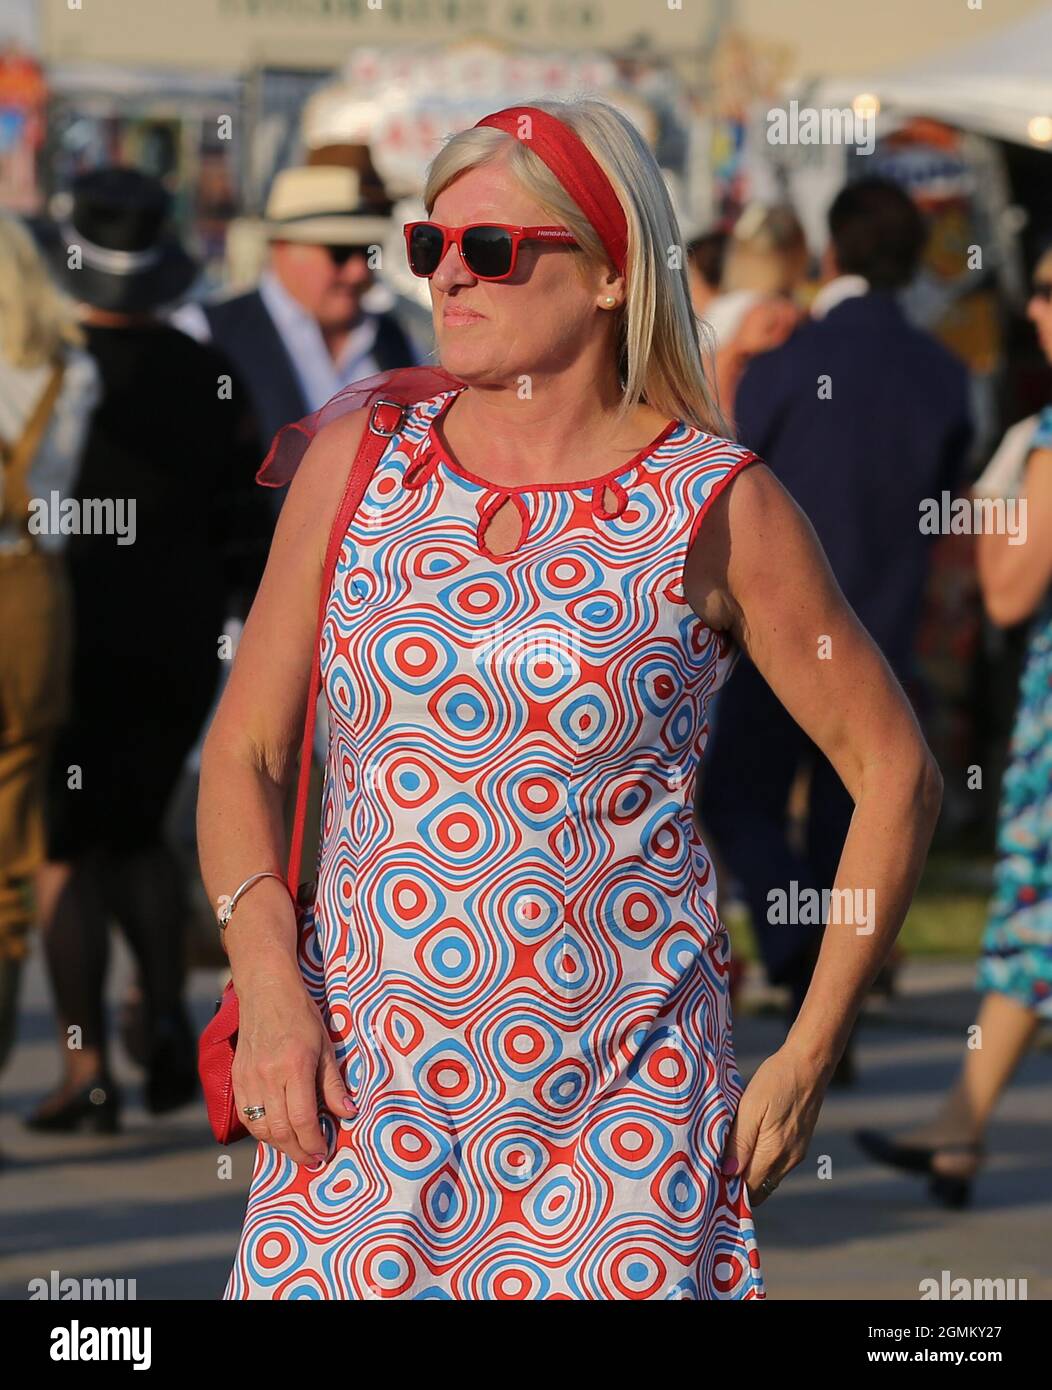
(752, 528)
(335, 443)
(319, 481)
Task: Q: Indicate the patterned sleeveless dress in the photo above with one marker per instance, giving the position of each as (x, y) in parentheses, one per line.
(515, 939)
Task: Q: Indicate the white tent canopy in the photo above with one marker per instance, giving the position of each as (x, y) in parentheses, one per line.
(1000, 85)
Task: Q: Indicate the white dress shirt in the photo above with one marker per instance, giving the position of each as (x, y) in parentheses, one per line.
(838, 289)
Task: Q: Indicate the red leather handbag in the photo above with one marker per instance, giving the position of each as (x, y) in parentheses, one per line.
(388, 393)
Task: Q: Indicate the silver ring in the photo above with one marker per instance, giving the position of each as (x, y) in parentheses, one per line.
(767, 1187)
(254, 1112)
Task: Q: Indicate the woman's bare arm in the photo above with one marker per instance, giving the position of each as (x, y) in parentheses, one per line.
(283, 1053)
(759, 571)
(250, 751)
(1014, 573)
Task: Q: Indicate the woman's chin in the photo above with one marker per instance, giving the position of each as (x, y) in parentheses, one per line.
(470, 362)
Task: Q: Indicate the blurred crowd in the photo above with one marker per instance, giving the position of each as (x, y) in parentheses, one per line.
(117, 384)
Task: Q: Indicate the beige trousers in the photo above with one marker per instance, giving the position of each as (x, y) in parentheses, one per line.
(35, 649)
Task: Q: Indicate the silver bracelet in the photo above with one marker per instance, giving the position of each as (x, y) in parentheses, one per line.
(227, 910)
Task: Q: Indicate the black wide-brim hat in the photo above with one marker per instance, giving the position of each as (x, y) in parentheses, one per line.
(114, 250)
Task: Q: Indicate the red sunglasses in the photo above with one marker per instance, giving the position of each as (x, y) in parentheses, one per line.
(488, 249)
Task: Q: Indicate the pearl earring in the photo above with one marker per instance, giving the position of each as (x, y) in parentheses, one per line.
(609, 299)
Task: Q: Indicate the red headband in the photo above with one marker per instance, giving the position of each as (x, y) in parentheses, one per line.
(576, 168)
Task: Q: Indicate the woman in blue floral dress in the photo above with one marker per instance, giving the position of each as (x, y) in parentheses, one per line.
(1017, 946)
(1015, 969)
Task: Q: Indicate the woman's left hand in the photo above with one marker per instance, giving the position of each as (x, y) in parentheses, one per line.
(776, 1118)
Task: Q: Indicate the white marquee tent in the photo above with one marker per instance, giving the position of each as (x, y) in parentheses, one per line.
(1000, 85)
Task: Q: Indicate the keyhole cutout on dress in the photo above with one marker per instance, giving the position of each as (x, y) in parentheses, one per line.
(504, 529)
(611, 503)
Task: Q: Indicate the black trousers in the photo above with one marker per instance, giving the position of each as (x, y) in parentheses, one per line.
(750, 764)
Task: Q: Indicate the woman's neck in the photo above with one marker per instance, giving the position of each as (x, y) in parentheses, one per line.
(524, 436)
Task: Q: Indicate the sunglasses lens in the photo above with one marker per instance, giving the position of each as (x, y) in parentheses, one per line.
(425, 249)
(340, 255)
(487, 251)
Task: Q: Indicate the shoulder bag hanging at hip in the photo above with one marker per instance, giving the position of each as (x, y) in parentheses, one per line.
(218, 1042)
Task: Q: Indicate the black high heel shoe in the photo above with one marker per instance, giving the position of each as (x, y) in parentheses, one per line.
(94, 1107)
(951, 1190)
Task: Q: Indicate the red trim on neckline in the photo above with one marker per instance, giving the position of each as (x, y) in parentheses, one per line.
(583, 485)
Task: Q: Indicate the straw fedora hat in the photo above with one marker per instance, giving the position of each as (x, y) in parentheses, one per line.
(322, 204)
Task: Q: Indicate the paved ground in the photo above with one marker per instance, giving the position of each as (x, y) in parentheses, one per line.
(151, 1204)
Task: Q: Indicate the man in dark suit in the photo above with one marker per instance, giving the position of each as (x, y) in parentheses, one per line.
(861, 416)
(308, 329)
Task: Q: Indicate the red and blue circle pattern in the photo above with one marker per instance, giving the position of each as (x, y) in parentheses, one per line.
(515, 939)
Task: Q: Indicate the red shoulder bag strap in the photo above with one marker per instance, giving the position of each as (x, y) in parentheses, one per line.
(385, 420)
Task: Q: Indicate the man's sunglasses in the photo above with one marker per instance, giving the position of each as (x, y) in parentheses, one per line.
(340, 255)
(1042, 289)
(488, 249)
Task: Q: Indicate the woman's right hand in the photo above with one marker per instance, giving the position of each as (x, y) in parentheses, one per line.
(285, 1061)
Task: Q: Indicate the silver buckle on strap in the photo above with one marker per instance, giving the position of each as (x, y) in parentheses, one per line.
(376, 429)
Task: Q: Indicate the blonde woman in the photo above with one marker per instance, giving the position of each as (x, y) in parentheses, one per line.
(48, 388)
(767, 252)
(516, 1078)
(765, 264)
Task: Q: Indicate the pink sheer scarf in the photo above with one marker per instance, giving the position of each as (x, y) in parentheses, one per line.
(403, 385)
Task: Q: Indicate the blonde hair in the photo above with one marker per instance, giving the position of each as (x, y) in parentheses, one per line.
(767, 251)
(36, 319)
(659, 336)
